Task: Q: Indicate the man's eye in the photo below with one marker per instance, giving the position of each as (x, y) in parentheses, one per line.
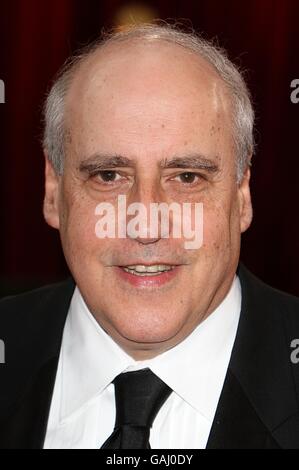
(108, 175)
(188, 177)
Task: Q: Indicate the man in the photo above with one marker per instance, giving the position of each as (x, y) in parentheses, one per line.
(152, 115)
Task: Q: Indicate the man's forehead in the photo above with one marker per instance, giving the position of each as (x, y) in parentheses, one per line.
(146, 97)
(145, 64)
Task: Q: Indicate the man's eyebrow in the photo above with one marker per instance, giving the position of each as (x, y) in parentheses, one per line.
(102, 162)
(195, 162)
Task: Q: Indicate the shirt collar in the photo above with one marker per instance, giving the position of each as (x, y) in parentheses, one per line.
(195, 369)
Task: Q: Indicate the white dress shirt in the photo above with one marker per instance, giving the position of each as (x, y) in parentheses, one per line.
(82, 413)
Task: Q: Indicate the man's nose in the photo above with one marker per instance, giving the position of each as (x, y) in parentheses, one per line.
(146, 195)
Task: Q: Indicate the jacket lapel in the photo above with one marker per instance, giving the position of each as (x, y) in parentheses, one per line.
(28, 377)
(258, 407)
(26, 427)
(236, 424)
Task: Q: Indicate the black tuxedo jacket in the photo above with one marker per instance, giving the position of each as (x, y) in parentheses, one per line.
(259, 403)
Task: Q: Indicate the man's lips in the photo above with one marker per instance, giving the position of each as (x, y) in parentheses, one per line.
(146, 279)
(149, 263)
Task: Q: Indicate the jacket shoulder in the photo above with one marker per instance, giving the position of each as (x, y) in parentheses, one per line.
(273, 301)
(29, 306)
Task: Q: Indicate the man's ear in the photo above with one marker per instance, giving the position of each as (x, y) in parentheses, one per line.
(245, 205)
(51, 199)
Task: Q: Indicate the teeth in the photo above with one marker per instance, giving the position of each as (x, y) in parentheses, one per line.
(140, 269)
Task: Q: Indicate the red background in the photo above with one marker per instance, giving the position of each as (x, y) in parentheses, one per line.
(37, 36)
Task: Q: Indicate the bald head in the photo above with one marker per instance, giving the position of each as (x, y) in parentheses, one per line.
(206, 55)
(115, 98)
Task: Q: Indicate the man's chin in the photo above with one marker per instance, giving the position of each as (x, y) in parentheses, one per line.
(146, 341)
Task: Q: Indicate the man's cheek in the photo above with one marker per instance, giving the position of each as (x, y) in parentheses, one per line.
(215, 230)
(80, 230)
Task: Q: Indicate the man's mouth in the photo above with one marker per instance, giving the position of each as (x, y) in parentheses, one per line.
(147, 270)
(148, 275)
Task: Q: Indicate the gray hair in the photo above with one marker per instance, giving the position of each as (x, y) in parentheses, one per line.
(242, 109)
